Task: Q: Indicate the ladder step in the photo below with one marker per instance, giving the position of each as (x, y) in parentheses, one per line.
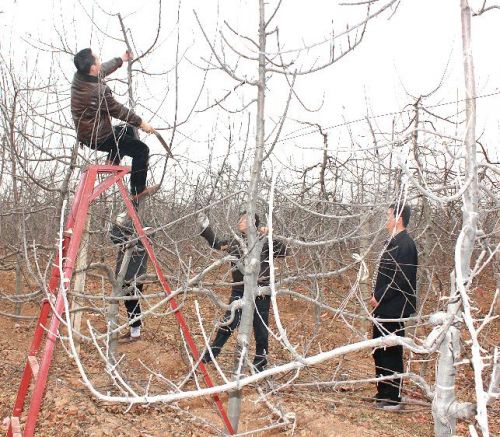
(33, 361)
(15, 426)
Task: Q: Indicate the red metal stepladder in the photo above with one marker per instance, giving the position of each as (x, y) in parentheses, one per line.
(37, 370)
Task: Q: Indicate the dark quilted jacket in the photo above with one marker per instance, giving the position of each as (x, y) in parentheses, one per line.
(93, 106)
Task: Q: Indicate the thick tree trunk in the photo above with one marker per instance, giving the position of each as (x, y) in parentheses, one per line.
(470, 216)
(444, 398)
(444, 406)
(252, 260)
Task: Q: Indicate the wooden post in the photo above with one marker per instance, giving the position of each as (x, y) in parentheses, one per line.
(81, 264)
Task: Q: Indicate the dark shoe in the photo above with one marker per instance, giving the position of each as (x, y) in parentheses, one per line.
(259, 364)
(206, 358)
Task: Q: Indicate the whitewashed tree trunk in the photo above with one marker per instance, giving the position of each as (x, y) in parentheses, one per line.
(444, 397)
(252, 260)
(470, 217)
(445, 408)
(444, 402)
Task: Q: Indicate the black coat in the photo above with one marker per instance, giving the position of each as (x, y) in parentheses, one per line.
(138, 264)
(395, 288)
(232, 246)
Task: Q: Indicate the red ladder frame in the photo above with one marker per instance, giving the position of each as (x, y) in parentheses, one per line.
(75, 224)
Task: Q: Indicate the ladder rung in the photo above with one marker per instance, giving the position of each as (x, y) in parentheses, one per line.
(32, 360)
(15, 426)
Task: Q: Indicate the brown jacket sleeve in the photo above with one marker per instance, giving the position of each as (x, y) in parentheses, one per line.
(117, 110)
(110, 66)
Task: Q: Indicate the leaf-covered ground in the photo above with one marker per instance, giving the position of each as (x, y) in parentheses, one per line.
(69, 409)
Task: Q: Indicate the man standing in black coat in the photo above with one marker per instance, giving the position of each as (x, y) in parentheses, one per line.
(394, 297)
(262, 303)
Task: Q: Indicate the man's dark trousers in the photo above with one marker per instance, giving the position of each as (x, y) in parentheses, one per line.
(124, 142)
(388, 361)
(133, 306)
(260, 327)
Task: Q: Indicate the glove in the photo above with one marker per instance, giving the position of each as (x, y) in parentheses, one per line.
(202, 221)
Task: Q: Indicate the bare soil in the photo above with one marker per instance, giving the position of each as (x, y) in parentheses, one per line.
(69, 409)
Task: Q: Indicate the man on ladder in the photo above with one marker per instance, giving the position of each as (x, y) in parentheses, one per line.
(93, 106)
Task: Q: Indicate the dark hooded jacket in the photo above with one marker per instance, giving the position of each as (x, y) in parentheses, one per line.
(93, 106)
(395, 288)
(232, 246)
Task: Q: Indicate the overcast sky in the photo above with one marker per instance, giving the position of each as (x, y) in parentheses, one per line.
(406, 51)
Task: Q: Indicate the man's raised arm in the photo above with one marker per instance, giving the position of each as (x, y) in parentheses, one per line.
(114, 64)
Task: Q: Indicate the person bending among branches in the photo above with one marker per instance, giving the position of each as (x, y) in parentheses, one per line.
(262, 303)
(394, 297)
(93, 106)
(121, 232)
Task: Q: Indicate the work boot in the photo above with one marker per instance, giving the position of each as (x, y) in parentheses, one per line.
(206, 358)
(259, 363)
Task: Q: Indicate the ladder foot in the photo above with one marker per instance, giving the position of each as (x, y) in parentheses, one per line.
(14, 427)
